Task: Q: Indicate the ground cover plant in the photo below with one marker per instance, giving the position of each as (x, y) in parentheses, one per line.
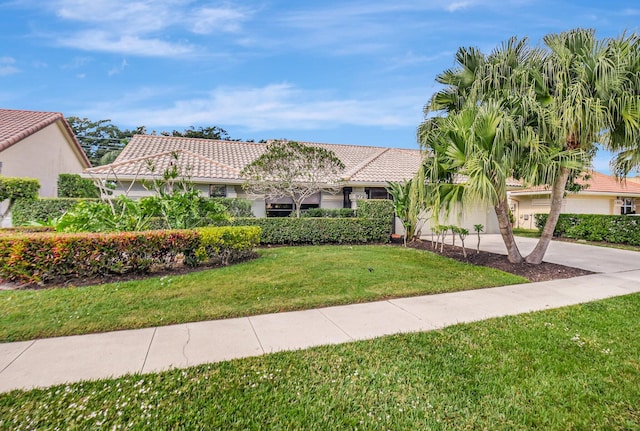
(572, 368)
(282, 278)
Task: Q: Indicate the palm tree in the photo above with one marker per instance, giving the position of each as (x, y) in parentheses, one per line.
(585, 92)
(545, 109)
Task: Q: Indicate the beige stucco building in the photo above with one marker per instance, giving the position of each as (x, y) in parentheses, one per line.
(603, 194)
(39, 145)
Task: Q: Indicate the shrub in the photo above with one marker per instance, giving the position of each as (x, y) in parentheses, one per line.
(74, 186)
(45, 257)
(42, 210)
(616, 229)
(235, 206)
(376, 208)
(226, 243)
(310, 230)
(329, 212)
(16, 188)
(39, 258)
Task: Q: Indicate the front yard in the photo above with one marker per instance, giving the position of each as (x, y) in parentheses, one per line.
(572, 368)
(281, 279)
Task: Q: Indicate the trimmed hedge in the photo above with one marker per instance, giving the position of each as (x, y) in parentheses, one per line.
(376, 208)
(74, 186)
(46, 257)
(328, 212)
(18, 188)
(226, 244)
(616, 229)
(42, 210)
(373, 224)
(311, 230)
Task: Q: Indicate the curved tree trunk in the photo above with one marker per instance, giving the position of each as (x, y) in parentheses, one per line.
(502, 212)
(557, 193)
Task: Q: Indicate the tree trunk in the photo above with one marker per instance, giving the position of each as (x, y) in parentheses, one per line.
(557, 193)
(502, 212)
(297, 205)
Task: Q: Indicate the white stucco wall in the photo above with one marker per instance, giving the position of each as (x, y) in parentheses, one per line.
(475, 214)
(43, 155)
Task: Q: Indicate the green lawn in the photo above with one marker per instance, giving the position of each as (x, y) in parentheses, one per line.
(576, 368)
(528, 233)
(285, 278)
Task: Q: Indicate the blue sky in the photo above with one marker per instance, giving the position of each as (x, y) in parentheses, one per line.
(353, 72)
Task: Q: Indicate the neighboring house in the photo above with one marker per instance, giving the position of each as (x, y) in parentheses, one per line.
(39, 145)
(602, 194)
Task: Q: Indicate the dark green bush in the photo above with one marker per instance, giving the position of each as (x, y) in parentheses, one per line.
(285, 230)
(376, 208)
(42, 210)
(74, 186)
(328, 212)
(617, 229)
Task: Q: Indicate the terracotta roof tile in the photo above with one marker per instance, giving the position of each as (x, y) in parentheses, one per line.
(597, 183)
(16, 125)
(223, 160)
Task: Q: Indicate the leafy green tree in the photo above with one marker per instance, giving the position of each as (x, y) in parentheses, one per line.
(294, 170)
(98, 138)
(213, 132)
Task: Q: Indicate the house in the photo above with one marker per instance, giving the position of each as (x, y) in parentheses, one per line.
(601, 194)
(39, 145)
(214, 167)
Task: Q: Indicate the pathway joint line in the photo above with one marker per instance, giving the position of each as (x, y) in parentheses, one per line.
(17, 357)
(184, 346)
(146, 356)
(390, 301)
(255, 333)
(336, 325)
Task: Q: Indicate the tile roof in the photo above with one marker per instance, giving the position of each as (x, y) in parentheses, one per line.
(16, 125)
(597, 183)
(223, 160)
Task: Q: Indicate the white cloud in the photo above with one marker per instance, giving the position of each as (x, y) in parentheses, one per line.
(214, 20)
(118, 69)
(7, 66)
(140, 27)
(124, 44)
(458, 5)
(279, 106)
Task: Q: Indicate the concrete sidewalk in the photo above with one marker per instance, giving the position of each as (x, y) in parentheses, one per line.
(46, 362)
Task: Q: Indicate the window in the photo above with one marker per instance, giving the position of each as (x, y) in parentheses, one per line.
(285, 210)
(217, 191)
(346, 199)
(627, 206)
(377, 193)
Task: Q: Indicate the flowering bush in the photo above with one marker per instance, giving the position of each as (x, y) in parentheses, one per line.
(45, 257)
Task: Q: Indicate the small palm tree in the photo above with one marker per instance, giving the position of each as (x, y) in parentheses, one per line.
(462, 233)
(478, 228)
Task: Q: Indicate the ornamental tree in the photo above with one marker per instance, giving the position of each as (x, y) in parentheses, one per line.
(289, 169)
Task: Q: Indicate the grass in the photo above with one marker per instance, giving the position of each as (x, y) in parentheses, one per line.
(527, 233)
(572, 368)
(286, 278)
